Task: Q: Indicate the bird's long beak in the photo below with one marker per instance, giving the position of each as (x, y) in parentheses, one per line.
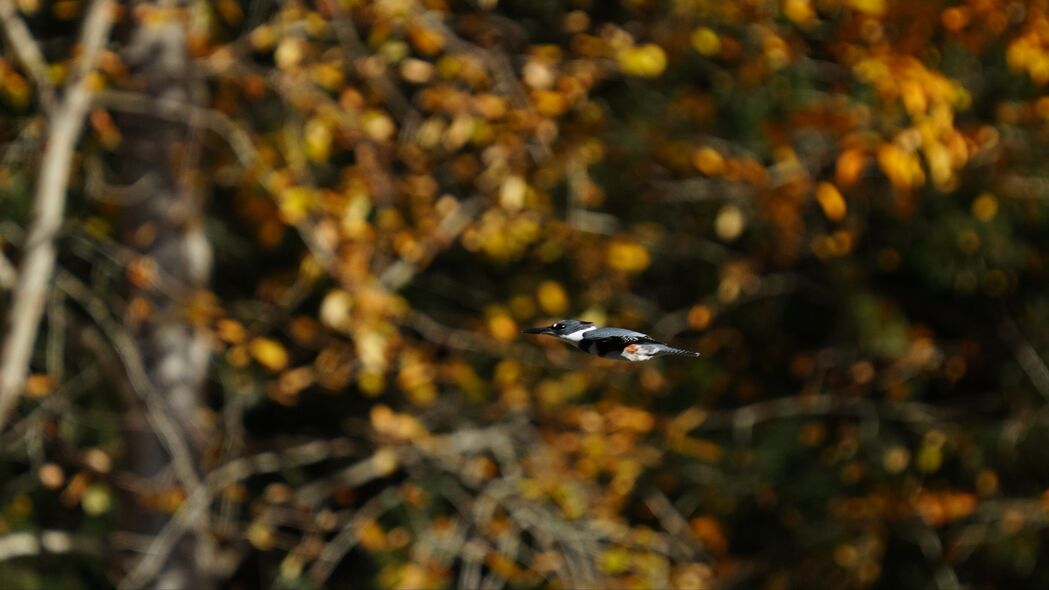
(543, 330)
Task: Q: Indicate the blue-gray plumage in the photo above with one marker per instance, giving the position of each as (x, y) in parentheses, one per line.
(610, 343)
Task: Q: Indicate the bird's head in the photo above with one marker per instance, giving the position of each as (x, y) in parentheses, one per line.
(562, 328)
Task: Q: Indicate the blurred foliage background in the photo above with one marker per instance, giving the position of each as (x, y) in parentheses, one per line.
(841, 203)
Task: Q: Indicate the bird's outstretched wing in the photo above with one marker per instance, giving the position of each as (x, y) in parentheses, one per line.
(610, 341)
(622, 334)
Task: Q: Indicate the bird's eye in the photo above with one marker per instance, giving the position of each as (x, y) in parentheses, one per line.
(558, 326)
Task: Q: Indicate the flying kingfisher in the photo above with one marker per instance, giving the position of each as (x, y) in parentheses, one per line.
(610, 343)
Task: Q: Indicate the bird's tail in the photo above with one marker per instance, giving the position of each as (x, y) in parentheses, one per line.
(677, 351)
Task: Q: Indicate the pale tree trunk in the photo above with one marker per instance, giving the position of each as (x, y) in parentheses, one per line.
(157, 163)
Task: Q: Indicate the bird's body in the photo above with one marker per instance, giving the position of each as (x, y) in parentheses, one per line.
(610, 343)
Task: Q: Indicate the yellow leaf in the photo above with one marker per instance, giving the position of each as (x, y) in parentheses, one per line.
(900, 166)
(38, 385)
(831, 201)
(397, 426)
(28, 7)
(914, 97)
(295, 203)
(615, 561)
(292, 382)
(502, 565)
(269, 353)
(385, 461)
(552, 297)
(371, 536)
(417, 71)
(98, 460)
(705, 41)
(96, 500)
(1041, 107)
(289, 53)
(371, 348)
(16, 88)
(65, 9)
(405, 576)
(502, 327)
(929, 459)
(628, 257)
(103, 124)
(230, 331)
(869, 7)
(291, 566)
(708, 161)
(335, 310)
(644, 61)
(699, 317)
(51, 475)
(230, 11)
(371, 383)
(729, 223)
(238, 357)
(261, 536)
(392, 51)
(426, 41)
(262, 38)
(710, 532)
(549, 103)
(985, 207)
(849, 167)
(799, 11)
(318, 140)
(896, 459)
(512, 193)
(939, 161)
(377, 125)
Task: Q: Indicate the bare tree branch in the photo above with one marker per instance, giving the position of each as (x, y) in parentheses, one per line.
(396, 276)
(335, 550)
(350, 40)
(195, 506)
(38, 263)
(238, 138)
(158, 411)
(680, 534)
(27, 51)
(1026, 355)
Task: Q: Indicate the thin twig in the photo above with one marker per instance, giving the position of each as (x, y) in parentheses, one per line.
(180, 110)
(225, 127)
(383, 462)
(473, 553)
(158, 411)
(348, 537)
(350, 40)
(496, 61)
(744, 419)
(53, 403)
(680, 534)
(191, 511)
(400, 273)
(38, 262)
(27, 52)
(1026, 356)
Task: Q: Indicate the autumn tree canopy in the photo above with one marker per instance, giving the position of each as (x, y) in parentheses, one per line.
(265, 267)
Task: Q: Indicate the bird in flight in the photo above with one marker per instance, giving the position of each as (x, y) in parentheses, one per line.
(610, 343)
